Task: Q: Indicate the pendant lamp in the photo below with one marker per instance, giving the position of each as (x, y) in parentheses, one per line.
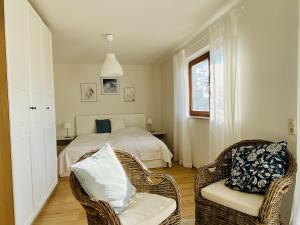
(111, 66)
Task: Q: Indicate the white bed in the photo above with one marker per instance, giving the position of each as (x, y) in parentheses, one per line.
(134, 138)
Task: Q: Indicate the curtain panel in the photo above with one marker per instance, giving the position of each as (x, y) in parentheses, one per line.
(224, 80)
(182, 142)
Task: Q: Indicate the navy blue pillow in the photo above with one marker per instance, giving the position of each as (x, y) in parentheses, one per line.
(103, 126)
(255, 167)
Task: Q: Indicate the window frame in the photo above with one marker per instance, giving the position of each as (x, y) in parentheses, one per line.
(205, 114)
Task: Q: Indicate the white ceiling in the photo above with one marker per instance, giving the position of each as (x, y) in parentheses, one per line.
(145, 30)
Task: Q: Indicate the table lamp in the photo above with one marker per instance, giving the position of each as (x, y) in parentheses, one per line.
(67, 125)
(149, 123)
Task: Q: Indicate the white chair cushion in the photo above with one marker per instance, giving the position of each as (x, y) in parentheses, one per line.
(103, 178)
(247, 203)
(147, 209)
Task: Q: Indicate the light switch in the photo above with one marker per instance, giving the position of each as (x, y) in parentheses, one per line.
(292, 126)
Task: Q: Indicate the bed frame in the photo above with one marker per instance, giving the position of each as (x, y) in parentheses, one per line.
(85, 124)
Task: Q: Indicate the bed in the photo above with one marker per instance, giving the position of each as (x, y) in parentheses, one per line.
(134, 138)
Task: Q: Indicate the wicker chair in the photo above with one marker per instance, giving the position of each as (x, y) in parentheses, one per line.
(211, 213)
(101, 213)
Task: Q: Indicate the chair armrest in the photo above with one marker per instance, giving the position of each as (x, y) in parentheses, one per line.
(163, 185)
(101, 212)
(270, 208)
(207, 175)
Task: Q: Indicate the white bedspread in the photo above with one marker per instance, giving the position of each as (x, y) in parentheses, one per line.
(137, 141)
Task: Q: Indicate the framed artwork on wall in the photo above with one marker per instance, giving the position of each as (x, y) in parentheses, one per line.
(88, 92)
(129, 94)
(110, 86)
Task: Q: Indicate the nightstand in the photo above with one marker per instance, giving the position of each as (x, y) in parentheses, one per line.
(159, 134)
(62, 142)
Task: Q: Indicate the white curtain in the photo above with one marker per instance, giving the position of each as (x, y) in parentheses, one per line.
(224, 104)
(182, 143)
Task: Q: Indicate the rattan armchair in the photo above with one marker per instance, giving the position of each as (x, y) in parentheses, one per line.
(211, 213)
(101, 213)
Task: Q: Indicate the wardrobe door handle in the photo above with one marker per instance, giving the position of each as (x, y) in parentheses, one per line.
(47, 107)
(32, 107)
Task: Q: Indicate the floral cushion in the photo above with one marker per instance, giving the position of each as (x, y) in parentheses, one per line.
(255, 166)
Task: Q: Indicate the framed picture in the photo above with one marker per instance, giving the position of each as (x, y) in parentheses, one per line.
(110, 86)
(129, 94)
(88, 92)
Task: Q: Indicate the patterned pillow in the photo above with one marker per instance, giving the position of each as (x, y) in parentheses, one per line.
(254, 167)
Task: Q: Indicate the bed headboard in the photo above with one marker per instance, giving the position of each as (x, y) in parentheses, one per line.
(85, 124)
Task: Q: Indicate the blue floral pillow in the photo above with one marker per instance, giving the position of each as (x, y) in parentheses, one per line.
(254, 167)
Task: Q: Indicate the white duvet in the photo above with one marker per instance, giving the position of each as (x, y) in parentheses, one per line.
(137, 141)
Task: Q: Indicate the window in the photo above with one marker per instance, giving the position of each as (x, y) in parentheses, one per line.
(199, 86)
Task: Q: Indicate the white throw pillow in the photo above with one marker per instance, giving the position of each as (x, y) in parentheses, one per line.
(103, 178)
(116, 124)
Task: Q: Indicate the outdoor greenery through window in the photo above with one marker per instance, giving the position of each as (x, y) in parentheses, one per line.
(199, 86)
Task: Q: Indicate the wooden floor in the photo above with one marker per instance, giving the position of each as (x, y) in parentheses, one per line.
(63, 209)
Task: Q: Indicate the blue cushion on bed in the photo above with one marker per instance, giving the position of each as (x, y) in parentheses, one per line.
(103, 126)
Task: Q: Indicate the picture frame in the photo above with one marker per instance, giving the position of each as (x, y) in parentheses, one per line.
(110, 85)
(88, 92)
(129, 94)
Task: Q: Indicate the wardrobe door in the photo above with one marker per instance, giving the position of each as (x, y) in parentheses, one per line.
(50, 137)
(51, 156)
(19, 101)
(38, 142)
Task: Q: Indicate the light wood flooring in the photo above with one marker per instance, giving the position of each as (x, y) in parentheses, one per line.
(63, 209)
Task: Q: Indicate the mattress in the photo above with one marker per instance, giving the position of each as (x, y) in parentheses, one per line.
(137, 141)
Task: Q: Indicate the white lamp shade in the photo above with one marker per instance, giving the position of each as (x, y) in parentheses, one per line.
(111, 67)
(67, 125)
(149, 121)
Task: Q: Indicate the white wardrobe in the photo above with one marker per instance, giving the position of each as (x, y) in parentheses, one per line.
(32, 114)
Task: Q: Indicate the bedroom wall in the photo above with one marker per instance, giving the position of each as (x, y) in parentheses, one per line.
(167, 99)
(67, 79)
(268, 68)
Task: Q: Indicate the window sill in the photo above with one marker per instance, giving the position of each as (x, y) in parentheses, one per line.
(198, 117)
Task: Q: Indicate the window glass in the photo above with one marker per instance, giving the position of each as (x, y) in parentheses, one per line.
(199, 72)
(200, 86)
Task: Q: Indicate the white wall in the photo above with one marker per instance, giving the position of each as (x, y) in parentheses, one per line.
(167, 100)
(268, 68)
(145, 79)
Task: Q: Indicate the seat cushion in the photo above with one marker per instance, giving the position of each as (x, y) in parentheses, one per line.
(147, 209)
(248, 203)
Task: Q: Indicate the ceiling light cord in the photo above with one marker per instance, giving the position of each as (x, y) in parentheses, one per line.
(109, 38)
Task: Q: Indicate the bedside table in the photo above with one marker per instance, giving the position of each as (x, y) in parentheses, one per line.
(159, 134)
(62, 142)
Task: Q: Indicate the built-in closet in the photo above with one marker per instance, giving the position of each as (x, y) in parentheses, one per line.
(31, 109)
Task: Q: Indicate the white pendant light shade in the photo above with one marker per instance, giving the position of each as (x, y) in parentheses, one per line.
(111, 67)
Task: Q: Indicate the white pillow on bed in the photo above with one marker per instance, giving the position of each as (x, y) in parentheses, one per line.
(103, 178)
(116, 124)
